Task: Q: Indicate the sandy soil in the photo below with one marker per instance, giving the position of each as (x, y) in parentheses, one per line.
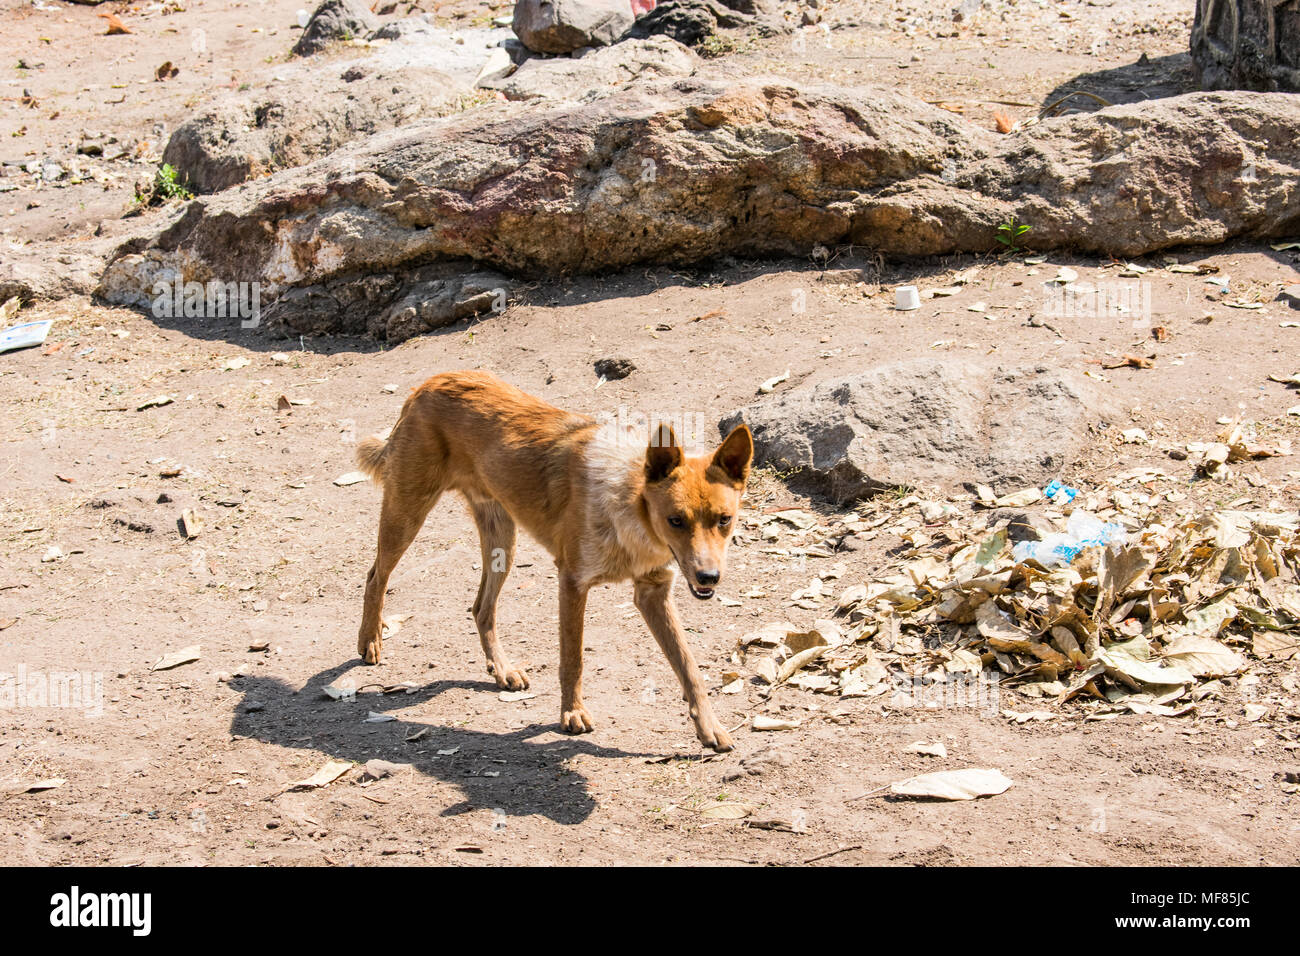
(192, 765)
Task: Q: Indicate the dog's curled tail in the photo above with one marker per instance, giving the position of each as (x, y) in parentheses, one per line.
(370, 455)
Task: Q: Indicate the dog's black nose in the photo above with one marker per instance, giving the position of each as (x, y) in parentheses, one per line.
(707, 578)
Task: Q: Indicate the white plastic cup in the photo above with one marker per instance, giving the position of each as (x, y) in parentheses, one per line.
(906, 298)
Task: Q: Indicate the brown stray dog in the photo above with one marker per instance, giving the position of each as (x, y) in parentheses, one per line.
(605, 510)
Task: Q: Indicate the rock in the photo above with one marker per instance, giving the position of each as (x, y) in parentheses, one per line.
(379, 769)
(678, 171)
(387, 306)
(518, 52)
(1023, 525)
(561, 26)
(94, 143)
(603, 68)
(420, 25)
(345, 306)
(48, 271)
(134, 523)
(497, 66)
(335, 20)
(434, 304)
(925, 421)
(691, 21)
(612, 369)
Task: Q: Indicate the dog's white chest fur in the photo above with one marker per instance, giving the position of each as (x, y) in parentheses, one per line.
(616, 541)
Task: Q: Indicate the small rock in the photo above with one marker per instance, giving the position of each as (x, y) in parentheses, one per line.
(379, 769)
(335, 20)
(497, 65)
(134, 524)
(612, 369)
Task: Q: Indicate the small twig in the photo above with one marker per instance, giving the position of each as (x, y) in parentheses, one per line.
(1049, 108)
(843, 849)
(869, 793)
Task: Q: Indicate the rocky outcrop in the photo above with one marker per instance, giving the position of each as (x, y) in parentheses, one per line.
(562, 26)
(678, 171)
(924, 422)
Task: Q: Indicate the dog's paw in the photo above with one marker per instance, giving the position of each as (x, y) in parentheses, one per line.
(370, 649)
(576, 721)
(509, 678)
(715, 738)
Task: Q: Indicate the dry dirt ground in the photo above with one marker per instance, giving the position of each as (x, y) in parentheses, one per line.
(191, 765)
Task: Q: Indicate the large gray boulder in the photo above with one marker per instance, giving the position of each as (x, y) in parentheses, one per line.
(562, 26)
(924, 422)
(681, 170)
(335, 20)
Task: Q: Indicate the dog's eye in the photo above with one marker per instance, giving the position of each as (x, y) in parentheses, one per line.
(676, 521)
(724, 521)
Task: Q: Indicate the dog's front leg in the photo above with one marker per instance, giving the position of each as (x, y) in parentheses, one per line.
(653, 597)
(574, 718)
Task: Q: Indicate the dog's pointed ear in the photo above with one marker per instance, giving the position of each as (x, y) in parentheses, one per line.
(664, 453)
(735, 454)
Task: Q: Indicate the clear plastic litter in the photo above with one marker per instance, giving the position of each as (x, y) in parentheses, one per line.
(1081, 531)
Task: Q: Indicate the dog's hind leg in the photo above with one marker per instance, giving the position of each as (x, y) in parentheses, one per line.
(496, 533)
(400, 520)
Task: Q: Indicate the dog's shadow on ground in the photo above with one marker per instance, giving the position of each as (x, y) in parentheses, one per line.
(513, 772)
(1145, 79)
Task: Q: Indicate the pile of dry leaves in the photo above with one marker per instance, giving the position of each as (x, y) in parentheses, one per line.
(1147, 624)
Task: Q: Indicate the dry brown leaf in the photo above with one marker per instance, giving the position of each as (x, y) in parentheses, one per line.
(1131, 361)
(115, 25)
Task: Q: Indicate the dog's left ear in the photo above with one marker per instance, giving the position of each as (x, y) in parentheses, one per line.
(735, 453)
